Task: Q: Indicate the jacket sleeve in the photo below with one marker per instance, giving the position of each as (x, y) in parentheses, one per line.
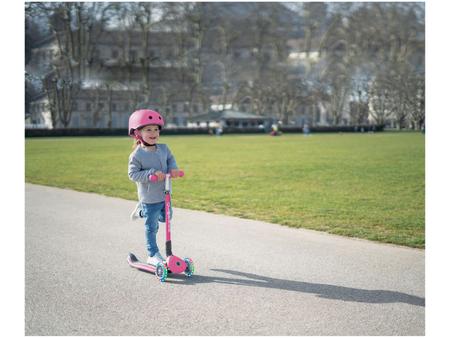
(135, 171)
(171, 163)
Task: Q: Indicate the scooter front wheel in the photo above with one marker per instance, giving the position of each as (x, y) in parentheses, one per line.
(161, 272)
(189, 267)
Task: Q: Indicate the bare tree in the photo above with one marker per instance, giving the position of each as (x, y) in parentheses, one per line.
(188, 24)
(109, 103)
(98, 105)
(388, 43)
(76, 27)
(416, 101)
(359, 104)
(339, 68)
(60, 96)
(370, 56)
(314, 14)
(380, 98)
(123, 37)
(145, 20)
(399, 86)
(286, 96)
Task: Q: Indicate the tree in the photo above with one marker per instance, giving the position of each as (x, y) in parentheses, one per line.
(314, 14)
(32, 89)
(60, 96)
(76, 27)
(340, 65)
(188, 24)
(380, 97)
(359, 104)
(390, 48)
(416, 101)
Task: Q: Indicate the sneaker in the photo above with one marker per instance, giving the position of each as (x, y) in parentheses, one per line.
(157, 258)
(160, 257)
(136, 213)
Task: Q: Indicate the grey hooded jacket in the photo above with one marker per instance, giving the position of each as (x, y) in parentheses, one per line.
(142, 163)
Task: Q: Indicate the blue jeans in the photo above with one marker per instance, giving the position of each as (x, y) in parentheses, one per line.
(153, 213)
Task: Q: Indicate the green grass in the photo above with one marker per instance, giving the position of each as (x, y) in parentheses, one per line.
(369, 186)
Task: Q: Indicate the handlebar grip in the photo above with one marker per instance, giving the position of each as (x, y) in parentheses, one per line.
(154, 178)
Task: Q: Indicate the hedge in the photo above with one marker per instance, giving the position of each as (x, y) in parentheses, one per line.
(194, 131)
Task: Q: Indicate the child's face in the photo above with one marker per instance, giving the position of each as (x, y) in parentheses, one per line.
(150, 134)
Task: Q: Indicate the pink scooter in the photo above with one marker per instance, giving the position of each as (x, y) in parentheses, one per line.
(173, 264)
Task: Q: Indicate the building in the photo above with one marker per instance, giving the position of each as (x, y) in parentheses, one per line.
(132, 69)
(230, 119)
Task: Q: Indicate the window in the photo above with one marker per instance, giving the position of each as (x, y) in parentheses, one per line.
(154, 53)
(133, 56)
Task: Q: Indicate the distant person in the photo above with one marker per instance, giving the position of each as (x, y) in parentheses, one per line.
(306, 130)
(149, 158)
(275, 131)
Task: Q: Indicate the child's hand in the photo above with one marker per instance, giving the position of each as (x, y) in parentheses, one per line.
(174, 173)
(161, 176)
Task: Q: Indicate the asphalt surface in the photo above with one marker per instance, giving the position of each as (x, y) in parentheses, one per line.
(251, 278)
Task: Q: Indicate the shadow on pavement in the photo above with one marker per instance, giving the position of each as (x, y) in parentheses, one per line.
(322, 290)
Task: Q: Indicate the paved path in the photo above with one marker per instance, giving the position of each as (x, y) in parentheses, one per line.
(252, 278)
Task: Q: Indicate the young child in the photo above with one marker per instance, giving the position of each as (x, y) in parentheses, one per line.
(150, 158)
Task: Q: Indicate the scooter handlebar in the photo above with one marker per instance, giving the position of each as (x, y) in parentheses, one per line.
(154, 178)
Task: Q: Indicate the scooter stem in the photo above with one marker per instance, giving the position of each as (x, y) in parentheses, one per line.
(167, 211)
(167, 202)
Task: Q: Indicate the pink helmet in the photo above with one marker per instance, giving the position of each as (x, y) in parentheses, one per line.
(143, 117)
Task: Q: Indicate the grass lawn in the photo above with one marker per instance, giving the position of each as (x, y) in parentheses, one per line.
(361, 185)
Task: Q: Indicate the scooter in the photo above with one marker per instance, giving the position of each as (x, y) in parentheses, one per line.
(172, 264)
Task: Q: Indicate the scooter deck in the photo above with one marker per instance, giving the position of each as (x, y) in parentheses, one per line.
(134, 262)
